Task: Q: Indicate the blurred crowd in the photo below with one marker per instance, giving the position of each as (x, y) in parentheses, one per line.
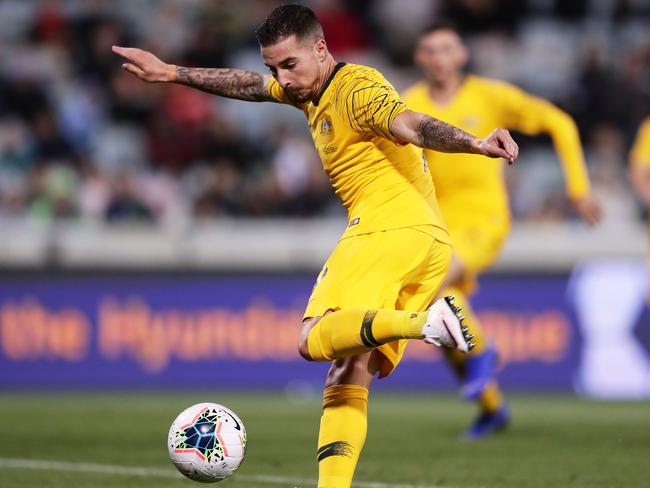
(81, 138)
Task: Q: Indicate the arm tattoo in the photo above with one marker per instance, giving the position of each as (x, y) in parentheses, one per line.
(231, 83)
(440, 136)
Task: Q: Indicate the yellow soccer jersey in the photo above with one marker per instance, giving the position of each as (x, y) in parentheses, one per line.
(382, 183)
(471, 184)
(640, 154)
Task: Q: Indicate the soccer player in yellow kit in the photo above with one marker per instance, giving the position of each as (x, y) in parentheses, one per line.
(472, 195)
(640, 163)
(387, 267)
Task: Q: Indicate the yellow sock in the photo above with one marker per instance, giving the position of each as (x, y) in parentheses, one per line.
(342, 434)
(491, 399)
(356, 330)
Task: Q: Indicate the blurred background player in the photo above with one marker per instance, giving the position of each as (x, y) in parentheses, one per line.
(472, 195)
(640, 163)
(370, 294)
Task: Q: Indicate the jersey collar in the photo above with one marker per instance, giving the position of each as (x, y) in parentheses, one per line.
(329, 80)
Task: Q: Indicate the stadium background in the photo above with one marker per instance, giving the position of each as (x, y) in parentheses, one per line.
(157, 238)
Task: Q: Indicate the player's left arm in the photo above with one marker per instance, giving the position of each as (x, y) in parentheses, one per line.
(430, 133)
(566, 140)
(533, 115)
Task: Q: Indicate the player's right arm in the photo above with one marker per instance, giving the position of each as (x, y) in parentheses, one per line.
(430, 133)
(225, 82)
(640, 163)
(373, 107)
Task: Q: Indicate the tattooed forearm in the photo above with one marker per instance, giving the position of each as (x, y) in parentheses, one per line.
(440, 136)
(231, 83)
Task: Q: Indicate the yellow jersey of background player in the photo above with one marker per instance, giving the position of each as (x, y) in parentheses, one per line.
(472, 196)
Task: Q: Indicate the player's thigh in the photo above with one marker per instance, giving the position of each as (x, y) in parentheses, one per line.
(417, 287)
(423, 283)
(368, 271)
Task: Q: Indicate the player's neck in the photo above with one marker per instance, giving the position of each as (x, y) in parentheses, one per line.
(328, 68)
(444, 91)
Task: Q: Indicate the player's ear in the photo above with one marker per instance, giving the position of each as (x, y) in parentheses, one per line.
(320, 48)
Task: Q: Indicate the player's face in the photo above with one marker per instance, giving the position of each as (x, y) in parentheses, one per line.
(441, 55)
(296, 65)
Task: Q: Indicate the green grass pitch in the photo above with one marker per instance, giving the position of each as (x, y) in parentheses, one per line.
(554, 441)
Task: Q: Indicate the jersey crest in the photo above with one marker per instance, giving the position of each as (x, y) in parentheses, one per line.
(326, 127)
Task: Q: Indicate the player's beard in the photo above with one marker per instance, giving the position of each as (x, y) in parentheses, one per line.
(298, 96)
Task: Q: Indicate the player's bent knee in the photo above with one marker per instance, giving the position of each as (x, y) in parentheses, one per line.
(303, 350)
(303, 341)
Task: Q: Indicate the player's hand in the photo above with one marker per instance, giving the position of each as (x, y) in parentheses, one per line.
(499, 144)
(588, 208)
(145, 65)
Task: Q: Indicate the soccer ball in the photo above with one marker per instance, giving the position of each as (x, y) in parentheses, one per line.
(207, 442)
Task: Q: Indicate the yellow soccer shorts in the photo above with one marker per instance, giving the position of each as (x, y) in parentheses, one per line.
(400, 269)
(477, 242)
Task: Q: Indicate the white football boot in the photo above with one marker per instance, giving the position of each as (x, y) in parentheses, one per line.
(444, 326)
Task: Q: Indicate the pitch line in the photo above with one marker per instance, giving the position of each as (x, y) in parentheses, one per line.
(113, 469)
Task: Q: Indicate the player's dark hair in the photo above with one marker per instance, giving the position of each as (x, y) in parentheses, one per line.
(288, 20)
(439, 25)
